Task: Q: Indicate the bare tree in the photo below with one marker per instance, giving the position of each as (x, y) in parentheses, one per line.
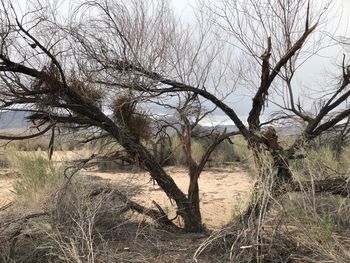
(188, 113)
(71, 77)
(273, 36)
(135, 46)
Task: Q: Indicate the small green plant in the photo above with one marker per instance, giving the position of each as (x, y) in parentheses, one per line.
(318, 164)
(241, 149)
(35, 172)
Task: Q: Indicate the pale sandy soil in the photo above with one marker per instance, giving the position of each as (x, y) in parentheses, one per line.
(223, 191)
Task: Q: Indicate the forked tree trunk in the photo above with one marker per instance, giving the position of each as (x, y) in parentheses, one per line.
(193, 218)
(185, 209)
(195, 222)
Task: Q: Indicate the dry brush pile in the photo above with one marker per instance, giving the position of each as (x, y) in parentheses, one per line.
(84, 219)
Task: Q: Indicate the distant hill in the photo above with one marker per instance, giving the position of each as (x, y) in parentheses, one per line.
(17, 120)
(13, 120)
(227, 128)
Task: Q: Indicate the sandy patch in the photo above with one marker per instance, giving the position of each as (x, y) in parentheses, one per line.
(221, 191)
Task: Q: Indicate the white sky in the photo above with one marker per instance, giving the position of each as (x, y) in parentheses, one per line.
(312, 72)
(318, 69)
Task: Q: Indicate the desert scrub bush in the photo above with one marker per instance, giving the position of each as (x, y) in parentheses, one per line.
(34, 173)
(244, 154)
(241, 149)
(84, 221)
(317, 164)
(177, 151)
(225, 152)
(197, 148)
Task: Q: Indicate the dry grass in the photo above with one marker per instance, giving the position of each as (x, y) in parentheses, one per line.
(76, 226)
(299, 227)
(69, 224)
(310, 229)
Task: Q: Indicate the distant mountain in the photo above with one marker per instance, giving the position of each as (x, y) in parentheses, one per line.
(289, 130)
(227, 128)
(10, 120)
(17, 120)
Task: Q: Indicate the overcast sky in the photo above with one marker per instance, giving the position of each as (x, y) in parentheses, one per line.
(315, 70)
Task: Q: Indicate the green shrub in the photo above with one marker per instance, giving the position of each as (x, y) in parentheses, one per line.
(35, 172)
(197, 148)
(224, 152)
(318, 163)
(177, 150)
(241, 149)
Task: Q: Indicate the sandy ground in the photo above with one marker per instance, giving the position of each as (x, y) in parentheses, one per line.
(223, 191)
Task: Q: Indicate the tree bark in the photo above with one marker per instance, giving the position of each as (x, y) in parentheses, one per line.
(195, 222)
(335, 186)
(186, 208)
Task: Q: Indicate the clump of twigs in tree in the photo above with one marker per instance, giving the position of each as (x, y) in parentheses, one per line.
(90, 93)
(126, 114)
(46, 88)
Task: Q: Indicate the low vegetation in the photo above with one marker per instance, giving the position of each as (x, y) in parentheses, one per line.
(86, 219)
(81, 220)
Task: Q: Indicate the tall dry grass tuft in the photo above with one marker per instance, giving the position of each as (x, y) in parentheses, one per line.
(240, 241)
(81, 220)
(297, 227)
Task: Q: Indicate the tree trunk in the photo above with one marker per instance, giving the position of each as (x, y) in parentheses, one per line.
(195, 222)
(187, 207)
(279, 180)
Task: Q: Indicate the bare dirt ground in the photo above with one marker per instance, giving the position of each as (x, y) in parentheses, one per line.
(223, 191)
